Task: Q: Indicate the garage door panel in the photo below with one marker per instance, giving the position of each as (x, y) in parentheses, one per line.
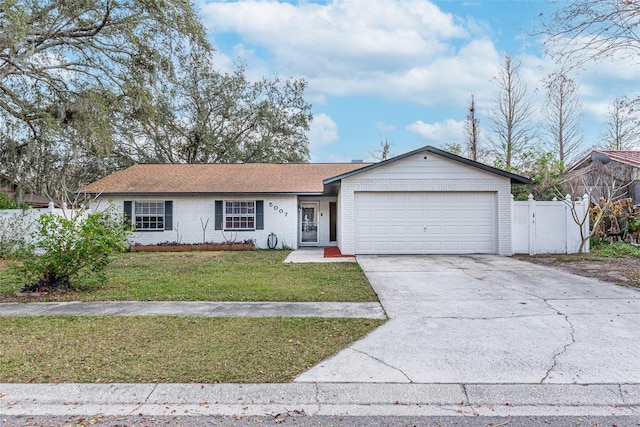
(426, 222)
(379, 214)
(398, 215)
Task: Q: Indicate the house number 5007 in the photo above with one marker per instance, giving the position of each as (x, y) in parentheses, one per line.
(277, 209)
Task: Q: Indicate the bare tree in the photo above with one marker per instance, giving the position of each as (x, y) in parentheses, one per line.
(622, 127)
(601, 189)
(384, 152)
(511, 118)
(472, 130)
(563, 118)
(583, 30)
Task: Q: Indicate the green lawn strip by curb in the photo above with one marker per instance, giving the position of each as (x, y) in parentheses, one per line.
(169, 349)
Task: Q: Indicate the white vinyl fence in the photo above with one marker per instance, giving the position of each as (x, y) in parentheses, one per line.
(16, 224)
(34, 214)
(543, 227)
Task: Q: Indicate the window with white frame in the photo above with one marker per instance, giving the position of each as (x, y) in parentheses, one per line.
(149, 216)
(240, 215)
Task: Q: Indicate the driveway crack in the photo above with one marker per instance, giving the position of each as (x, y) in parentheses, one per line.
(144, 401)
(563, 350)
(466, 394)
(622, 393)
(384, 363)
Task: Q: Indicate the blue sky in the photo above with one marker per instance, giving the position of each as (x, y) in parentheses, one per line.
(399, 70)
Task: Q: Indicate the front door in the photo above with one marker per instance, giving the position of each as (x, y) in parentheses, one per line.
(309, 223)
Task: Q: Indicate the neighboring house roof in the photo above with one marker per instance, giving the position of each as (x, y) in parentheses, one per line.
(296, 178)
(32, 200)
(627, 157)
(515, 179)
(8, 188)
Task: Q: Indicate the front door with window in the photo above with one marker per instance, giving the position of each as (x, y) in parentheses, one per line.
(309, 223)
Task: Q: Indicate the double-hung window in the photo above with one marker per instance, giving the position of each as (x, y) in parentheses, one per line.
(149, 216)
(240, 215)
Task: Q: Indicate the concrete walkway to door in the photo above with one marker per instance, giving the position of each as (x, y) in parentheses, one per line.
(490, 320)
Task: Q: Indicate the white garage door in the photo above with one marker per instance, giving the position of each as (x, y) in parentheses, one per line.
(425, 223)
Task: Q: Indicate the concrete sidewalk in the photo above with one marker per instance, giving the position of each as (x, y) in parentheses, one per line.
(319, 399)
(364, 310)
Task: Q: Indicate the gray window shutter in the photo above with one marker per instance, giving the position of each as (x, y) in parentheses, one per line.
(259, 215)
(168, 215)
(219, 215)
(128, 211)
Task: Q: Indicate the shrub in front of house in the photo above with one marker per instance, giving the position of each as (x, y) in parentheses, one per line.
(67, 250)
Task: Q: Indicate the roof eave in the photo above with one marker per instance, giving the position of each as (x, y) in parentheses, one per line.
(515, 179)
(196, 193)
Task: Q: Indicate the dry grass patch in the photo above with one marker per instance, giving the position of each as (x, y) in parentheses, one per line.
(64, 349)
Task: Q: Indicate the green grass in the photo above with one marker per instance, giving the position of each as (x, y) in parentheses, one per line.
(105, 349)
(614, 250)
(217, 276)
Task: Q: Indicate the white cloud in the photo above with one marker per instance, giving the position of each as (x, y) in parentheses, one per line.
(408, 50)
(357, 32)
(322, 131)
(439, 134)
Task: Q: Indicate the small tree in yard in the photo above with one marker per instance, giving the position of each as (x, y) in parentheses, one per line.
(68, 249)
(611, 190)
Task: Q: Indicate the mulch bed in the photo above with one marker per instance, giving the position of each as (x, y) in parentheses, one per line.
(194, 247)
(334, 252)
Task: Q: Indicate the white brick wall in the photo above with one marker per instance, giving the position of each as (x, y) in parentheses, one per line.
(191, 212)
(418, 173)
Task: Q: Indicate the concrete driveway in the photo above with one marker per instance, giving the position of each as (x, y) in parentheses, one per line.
(490, 319)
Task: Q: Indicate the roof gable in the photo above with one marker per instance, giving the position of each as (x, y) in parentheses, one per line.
(515, 179)
(295, 178)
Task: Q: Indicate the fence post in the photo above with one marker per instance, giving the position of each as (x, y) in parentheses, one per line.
(586, 226)
(567, 223)
(532, 225)
(513, 215)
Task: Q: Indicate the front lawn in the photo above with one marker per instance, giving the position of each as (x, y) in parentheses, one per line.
(214, 276)
(106, 349)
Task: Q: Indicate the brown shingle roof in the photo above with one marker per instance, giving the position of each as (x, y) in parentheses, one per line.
(628, 157)
(220, 178)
